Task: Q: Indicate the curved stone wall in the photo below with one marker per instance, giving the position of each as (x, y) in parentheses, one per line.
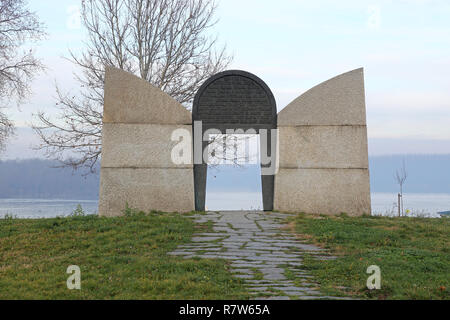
(136, 164)
(323, 150)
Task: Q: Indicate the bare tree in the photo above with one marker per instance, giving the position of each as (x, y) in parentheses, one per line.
(400, 177)
(165, 42)
(232, 149)
(18, 26)
(6, 130)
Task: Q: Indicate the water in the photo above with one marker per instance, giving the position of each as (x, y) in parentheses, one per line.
(233, 201)
(420, 204)
(44, 208)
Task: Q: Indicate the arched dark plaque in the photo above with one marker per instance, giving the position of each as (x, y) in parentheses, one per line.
(234, 100)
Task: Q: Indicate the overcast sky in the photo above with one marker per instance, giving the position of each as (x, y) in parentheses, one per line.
(293, 45)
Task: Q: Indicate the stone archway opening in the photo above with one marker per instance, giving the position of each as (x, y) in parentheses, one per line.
(234, 173)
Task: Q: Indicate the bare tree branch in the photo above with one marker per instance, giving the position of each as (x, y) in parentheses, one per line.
(18, 26)
(400, 177)
(6, 129)
(165, 42)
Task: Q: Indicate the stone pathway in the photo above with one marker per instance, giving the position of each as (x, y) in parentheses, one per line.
(264, 255)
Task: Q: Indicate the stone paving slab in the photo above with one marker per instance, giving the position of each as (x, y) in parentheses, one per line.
(260, 252)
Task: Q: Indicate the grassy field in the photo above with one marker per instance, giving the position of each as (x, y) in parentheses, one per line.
(126, 257)
(119, 258)
(412, 253)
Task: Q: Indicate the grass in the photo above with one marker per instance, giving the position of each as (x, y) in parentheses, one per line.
(120, 258)
(412, 253)
(126, 257)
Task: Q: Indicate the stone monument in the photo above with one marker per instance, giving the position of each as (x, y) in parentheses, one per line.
(320, 145)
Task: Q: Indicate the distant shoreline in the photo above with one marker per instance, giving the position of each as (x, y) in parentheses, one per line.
(419, 204)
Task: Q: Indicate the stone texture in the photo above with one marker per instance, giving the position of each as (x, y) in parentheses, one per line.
(323, 147)
(323, 150)
(136, 165)
(139, 145)
(323, 191)
(338, 101)
(235, 98)
(129, 99)
(258, 255)
(169, 190)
